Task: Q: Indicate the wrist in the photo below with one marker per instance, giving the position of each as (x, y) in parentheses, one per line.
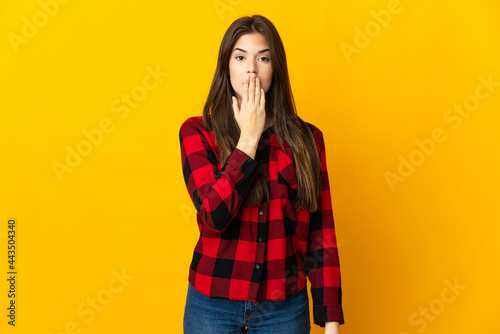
(248, 146)
(332, 327)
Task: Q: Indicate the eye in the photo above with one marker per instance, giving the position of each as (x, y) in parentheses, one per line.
(238, 57)
(266, 59)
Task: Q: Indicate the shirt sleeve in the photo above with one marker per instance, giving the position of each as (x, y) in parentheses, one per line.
(322, 260)
(216, 195)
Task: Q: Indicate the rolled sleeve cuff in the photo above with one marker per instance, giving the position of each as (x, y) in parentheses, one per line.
(243, 162)
(324, 313)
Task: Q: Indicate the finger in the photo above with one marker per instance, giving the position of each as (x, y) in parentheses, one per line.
(244, 99)
(262, 100)
(257, 91)
(251, 88)
(235, 106)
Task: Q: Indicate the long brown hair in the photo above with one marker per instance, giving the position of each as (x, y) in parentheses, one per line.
(218, 115)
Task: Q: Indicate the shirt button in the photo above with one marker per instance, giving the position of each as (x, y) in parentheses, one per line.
(257, 266)
(259, 239)
(261, 213)
(261, 161)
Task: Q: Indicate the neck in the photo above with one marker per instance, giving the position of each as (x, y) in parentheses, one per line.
(269, 121)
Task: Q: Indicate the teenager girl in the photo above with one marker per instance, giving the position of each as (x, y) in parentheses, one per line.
(257, 176)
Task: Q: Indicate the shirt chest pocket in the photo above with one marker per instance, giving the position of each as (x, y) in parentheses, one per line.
(286, 170)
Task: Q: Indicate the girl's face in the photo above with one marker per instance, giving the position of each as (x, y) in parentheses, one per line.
(250, 54)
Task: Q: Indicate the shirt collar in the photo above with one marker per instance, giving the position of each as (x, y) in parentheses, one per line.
(266, 135)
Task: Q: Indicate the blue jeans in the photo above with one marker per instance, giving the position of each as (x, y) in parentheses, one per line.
(210, 315)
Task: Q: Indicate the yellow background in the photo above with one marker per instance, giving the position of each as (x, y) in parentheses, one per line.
(125, 207)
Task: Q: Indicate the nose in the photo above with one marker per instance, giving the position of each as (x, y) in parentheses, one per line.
(252, 68)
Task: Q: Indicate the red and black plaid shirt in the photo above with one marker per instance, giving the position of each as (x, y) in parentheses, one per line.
(262, 252)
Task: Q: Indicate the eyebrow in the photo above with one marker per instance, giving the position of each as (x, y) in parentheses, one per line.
(261, 51)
